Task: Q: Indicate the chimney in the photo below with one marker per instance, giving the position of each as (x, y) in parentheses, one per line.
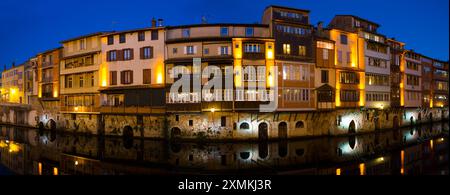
(320, 26)
(153, 22)
(160, 22)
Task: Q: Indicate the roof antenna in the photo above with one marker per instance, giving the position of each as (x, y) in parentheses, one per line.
(204, 20)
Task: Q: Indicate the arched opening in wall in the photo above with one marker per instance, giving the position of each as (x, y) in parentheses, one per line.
(244, 126)
(411, 120)
(299, 125)
(244, 155)
(352, 128)
(128, 137)
(395, 122)
(282, 130)
(263, 134)
(52, 124)
(175, 132)
(352, 142)
(282, 148)
(263, 150)
(41, 126)
(377, 123)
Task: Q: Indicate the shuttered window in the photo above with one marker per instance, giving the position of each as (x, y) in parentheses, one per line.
(126, 77)
(113, 77)
(147, 73)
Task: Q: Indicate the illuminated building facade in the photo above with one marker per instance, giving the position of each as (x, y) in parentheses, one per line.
(12, 85)
(294, 57)
(31, 80)
(440, 84)
(132, 71)
(427, 80)
(396, 49)
(79, 75)
(242, 46)
(412, 78)
(48, 77)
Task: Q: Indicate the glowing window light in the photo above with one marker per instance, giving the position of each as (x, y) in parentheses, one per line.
(362, 169)
(338, 171)
(55, 171)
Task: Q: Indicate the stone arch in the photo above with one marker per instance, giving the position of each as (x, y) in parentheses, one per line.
(283, 130)
(299, 125)
(51, 124)
(263, 131)
(175, 132)
(244, 126)
(352, 127)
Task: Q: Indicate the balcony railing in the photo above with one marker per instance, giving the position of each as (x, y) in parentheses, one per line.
(47, 64)
(80, 109)
(47, 79)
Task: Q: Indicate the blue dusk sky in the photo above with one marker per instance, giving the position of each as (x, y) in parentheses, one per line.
(28, 27)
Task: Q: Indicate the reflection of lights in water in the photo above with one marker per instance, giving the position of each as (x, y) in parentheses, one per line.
(381, 159)
(431, 144)
(362, 169)
(338, 171)
(345, 147)
(76, 162)
(410, 135)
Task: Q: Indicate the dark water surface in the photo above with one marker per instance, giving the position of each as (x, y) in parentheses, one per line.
(421, 150)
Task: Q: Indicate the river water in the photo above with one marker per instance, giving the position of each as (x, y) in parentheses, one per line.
(420, 150)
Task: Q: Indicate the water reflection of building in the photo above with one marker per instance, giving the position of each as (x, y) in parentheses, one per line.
(44, 153)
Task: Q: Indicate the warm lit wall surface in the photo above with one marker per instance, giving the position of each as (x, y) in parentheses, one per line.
(12, 89)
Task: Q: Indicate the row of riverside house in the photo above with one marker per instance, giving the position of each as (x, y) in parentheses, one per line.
(119, 82)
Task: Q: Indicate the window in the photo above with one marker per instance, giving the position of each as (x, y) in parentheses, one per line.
(286, 49)
(82, 44)
(325, 45)
(126, 77)
(190, 50)
(186, 33)
(302, 50)
(299, 125)
(81, 81)
(113, 77)
(412, 80)
(249, 31)
(147, 73)
(377, 62)
(177, 118)
(112, 55)
(141, 36)
(154, 34)
(324, 74)
(122, 38)
(146, 52)
(339, 56)
(348, 78)
(191, 123)
(252, 48)
(377, 79)
(224, 50)
(223, 121)
(349, 96)
(224, 31)
(110, 39)
(344, 39)
(175, 50)
(127, 54)
(92, 81)
(325, 54)
(244, 126)
(206, 51)
(68, 81)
